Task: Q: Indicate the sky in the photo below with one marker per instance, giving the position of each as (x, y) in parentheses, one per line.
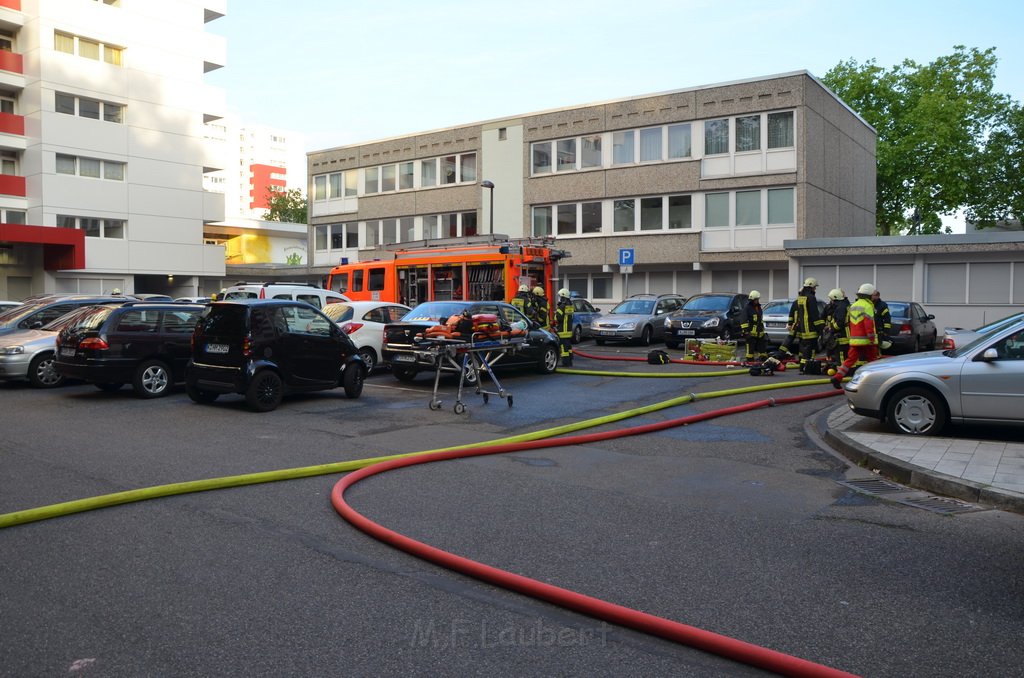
(342, 72)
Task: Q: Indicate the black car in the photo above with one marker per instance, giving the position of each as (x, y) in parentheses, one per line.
(145, 344)
(268, 348)
(39, 311)
(705, 316)
(409, 356)
(912, 328)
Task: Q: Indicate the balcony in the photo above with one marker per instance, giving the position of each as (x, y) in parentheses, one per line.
(11, 61)
(12, 185)
(11, 4)
(12, 124)
(63, 248)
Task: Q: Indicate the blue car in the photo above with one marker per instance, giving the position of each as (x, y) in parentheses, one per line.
(583, 315)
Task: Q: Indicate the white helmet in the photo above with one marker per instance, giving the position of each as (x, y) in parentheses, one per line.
(524, 288)
(754, 294)
(837, 294)
(564, 293)
(539, 291)
(866, 288)
(810, 282)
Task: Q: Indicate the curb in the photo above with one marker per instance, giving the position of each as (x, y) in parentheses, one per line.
(915, 476)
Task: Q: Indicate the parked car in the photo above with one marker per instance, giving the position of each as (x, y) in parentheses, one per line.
(143, 343)
(912, 328)
(979, 382)
(148, 296)
(193, 300)
(957, 336)
(363, 322)
(407, 357)
(705, 316)
(5, 305)
(266, 349)
(296, 291)
(45, 309)
(30, 354)
(776, 318)
(639, 318)
(583, 316)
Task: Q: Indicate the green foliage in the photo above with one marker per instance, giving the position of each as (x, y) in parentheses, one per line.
(288, 206)
(294, 259)
(933, 123)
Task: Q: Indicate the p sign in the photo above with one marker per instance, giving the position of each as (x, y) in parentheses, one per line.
(626, 256)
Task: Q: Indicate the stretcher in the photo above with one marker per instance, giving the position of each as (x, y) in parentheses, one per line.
(473, 359)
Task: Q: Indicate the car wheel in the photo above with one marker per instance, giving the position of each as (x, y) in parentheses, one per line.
(41, 372)
(198, 395)
(108, 387)
(265, 391)
(645, 336)
(917, 411)
(369, 357)
(548, 360)
(152, 379)
(403, 373)
(352, 380)
(577, 334)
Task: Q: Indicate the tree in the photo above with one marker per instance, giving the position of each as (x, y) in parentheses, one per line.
(932, 121)
(289, 205)
(1001, 195)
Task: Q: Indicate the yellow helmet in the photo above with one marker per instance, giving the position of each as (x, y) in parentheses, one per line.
(811, 282)
(539, 291)
(754, 294)
(564, 293)
(524, 288)
(836, 294)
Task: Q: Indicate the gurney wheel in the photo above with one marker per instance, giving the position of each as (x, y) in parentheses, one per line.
(510, 401)
(485, 398)
(435, 404)
(459, 408)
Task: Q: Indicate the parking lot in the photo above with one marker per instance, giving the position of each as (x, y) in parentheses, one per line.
(736, 525)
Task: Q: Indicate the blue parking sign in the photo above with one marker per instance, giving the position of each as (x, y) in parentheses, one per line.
(626, 256)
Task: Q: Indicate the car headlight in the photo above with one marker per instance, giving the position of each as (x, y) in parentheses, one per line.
(627, 326)
(668, 322)
(12, 350)
(857, 378)
(713, 322)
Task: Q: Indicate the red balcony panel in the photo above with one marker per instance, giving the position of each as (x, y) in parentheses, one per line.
(63, 248)
(12, 124)
(261, 181)
(11, 4)
(12, 185)
(10, 61)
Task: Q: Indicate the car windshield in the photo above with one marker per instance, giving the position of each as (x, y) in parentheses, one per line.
(777, 307)
(339, 313)
(434, 311)
(634, 307)
(707, 304)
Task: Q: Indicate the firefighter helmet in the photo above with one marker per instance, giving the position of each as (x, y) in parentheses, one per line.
(837, 294)
(754, 294)
(564, 292)
(524, 288)
(866, 288)
(811, 282)
(539, 291)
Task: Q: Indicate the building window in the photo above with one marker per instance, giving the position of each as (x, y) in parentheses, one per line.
(90, 167)
(428, 173)
(370, 185)
(592, 217)
(387, 178)
(13, 217)
(448, 169)
(748, 207)
(780, 130)
(406, 229)
(334, 184)
(113, 112)
(541, 154)
(64, 103)
(566, 154)
(389, 234)
(65, 164)
(9, 163)
(650, 144)
(372, 233)
(467, 167)
(566, 220)
(716, 137)
(679, 145)
(650, 214)
(780, 206)
(94, 227)
(113, 170)
(502, 133)
(320, 187)
(748, 133)
(622, 148)
(320, 238)
(89, 108)
(716, 210)
(625, 219)
(62, 42)
(69, 104)
(602, 287)
(450, 225)
(469, 223)
(351, 184)
(541, 222)
(351, 235)
(680, 213)
(406, 175)
(430, 229)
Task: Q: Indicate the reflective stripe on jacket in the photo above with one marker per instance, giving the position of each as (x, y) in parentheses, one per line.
(803, 316)
(753, 322)
(860, 321)
(563, 320)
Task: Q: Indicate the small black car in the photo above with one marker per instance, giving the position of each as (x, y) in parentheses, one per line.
(705, 316)
(142, 343)
(268, 348)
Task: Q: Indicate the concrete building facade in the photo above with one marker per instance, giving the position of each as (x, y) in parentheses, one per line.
(103, 145)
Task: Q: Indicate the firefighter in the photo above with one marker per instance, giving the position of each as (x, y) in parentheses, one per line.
(523, 301)
(563, 326)
(860, 326)
(883, 320)
(752, 327)
(835, 320)
(540, 307)
(803, 317)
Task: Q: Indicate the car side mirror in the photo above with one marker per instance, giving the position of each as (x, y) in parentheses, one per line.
(990, 354)
(931, 317)
(36, 325)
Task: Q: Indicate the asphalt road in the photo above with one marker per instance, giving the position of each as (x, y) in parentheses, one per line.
(736, 526)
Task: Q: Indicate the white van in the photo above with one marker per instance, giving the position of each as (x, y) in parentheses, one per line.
(296, 291)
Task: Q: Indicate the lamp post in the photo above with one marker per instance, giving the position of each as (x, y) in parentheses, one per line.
(490, 186)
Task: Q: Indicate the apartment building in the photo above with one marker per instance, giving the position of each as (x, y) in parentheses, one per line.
(102, 141)
(684, 191)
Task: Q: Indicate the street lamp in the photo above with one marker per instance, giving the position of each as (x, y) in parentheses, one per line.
(490, 186)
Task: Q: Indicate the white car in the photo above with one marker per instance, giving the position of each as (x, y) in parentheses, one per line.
(4, 305)
(363, 322)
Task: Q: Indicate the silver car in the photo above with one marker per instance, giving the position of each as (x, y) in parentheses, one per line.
(640, 318)
(979, 382)
(958, 336)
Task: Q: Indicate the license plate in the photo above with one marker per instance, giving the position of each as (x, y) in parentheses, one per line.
(607, 333)
(403, 358)
(775, 326)
(216, 348)
(687, 333)
(68, 352)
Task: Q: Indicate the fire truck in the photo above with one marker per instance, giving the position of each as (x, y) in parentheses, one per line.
(484, 268)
